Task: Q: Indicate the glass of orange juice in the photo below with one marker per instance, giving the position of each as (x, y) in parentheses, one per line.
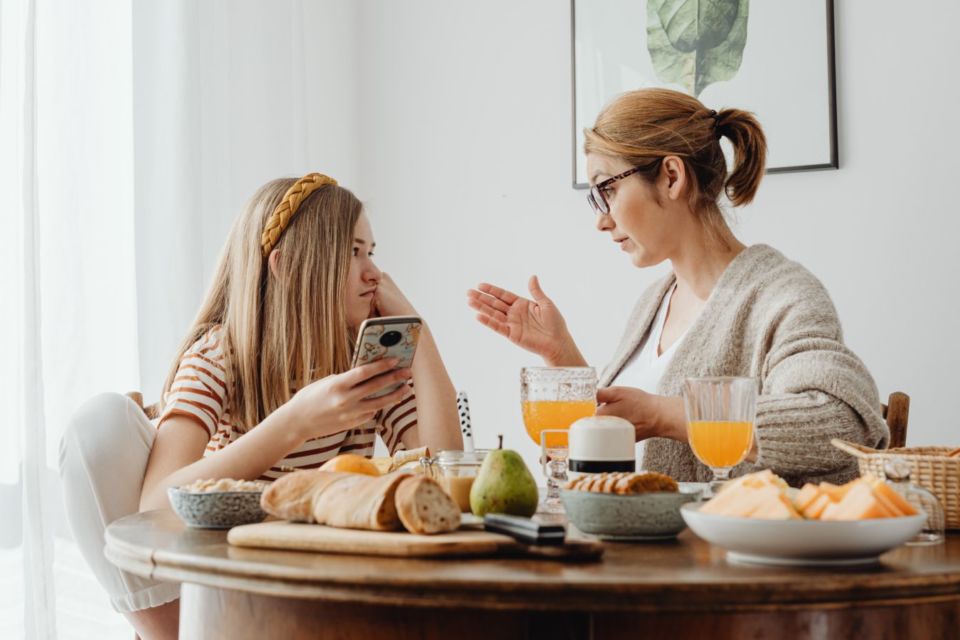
(553, 398)
(556, 397)
(720, 415)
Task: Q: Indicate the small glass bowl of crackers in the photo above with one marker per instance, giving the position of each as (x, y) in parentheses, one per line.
(627, 506)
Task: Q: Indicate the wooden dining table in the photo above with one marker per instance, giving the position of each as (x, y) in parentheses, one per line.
(678, 589)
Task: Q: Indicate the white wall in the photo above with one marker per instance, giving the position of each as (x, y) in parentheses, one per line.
(227, 95)
(466, 167)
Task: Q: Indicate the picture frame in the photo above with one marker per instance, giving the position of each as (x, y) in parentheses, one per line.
(776, 60)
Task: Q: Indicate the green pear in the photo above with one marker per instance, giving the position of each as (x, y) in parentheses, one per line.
(504, 485)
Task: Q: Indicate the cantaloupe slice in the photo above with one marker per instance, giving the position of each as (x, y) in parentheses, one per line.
(806, 496)
(837, 492)
(755, 498)
(818, 506)
(892, 499)
(730, 501)
(740, 503)
(775, 507)
(859, 503)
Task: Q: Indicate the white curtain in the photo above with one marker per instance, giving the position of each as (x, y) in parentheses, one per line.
(131, 133)
(69, 324)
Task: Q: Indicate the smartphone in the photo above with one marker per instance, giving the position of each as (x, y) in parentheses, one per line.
(388, 337)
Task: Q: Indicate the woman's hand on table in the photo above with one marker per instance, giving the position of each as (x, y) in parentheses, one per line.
(651, 415)
(535, 325)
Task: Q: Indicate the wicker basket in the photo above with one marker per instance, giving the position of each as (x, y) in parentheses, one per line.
(930, 468)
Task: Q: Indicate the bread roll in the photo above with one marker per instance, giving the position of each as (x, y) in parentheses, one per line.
(291, 497)
(424, 507)
(359, 502)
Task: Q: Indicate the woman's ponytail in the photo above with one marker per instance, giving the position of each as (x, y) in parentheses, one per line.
(749, 154)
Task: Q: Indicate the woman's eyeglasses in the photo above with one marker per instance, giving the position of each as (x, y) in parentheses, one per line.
(598, 201)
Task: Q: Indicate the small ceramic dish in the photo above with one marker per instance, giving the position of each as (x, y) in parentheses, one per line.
(216, 509)
(645, 516)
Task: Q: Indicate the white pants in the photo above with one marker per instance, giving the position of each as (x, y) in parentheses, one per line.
(103, 458)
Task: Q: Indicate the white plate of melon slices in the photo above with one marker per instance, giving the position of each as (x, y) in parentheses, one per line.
(758, 520)
(802, 542)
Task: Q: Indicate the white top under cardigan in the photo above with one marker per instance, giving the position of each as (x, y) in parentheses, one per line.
(645, 367)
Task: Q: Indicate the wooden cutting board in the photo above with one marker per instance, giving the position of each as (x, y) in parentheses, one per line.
(465, 542)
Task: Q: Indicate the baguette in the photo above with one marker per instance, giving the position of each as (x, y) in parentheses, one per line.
(359, 502)
(291, 497)
(424, 507)
(404, 458)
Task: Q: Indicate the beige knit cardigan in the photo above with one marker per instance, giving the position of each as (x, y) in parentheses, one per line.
(771, 319)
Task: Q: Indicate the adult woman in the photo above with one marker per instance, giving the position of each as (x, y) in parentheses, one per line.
(657, 169)
(261, 384)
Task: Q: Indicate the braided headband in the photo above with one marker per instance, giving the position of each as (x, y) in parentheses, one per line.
(283, 214)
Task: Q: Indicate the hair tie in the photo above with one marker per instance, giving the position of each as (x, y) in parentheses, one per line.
(283, 214)
(716, 121)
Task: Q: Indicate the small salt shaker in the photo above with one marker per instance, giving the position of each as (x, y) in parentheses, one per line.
(897, 471)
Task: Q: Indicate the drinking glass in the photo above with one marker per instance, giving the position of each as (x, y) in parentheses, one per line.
(556, 397)
(897, 471)
(552, 399)
(720, 415)
(554, 448)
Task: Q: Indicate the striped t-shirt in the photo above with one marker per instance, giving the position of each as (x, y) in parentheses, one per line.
(199, 393)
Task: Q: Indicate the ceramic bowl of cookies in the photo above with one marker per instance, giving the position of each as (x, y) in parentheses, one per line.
(628, 506)
(218, 504)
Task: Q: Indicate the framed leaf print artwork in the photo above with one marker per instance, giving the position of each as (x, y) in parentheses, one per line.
(770, 57)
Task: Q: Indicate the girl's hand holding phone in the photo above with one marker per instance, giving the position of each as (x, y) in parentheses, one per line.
(341, 401)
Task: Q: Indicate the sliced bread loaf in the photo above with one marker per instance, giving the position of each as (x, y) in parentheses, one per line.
(424, 507)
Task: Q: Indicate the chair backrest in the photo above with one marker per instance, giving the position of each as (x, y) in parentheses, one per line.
(896, 412)
(151, 411)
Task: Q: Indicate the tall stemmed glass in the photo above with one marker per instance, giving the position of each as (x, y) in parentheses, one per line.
(720, 415)
(554, 398)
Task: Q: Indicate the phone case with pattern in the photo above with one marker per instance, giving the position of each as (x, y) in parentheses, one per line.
(393, 337)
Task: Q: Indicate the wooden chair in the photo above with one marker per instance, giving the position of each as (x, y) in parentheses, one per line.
(896, 412)
(152, 410)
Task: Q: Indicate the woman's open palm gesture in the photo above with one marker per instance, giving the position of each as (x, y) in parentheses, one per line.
(536, 325)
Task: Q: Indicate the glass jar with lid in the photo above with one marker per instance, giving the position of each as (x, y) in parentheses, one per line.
(456, 471)
(897, 471)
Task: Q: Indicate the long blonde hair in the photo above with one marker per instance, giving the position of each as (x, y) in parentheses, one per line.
(647, 125)
(282, 331)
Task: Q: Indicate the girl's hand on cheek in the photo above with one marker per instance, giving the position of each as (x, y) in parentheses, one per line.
(390, 301)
